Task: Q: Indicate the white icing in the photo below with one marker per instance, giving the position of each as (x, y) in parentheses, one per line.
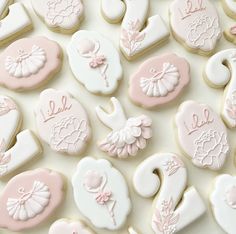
(147, 184)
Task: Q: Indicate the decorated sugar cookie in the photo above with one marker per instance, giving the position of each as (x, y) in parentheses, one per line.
(29, 63)
(60, 15)
(4, 4)
(169, 214)
(64, 226)
(223, 202)
(15, 23)
(62, 122)
(30, 198)
(94, 62)
(159, 80)
(101, 191)
(136, 38)
(229, 7)
(128, 136)
(230, 34)
(202, 135)
(195, 24)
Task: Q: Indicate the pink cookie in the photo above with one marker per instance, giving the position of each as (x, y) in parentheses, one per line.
(30, 198)
(62, 122)
(159, 80)
(29, 62)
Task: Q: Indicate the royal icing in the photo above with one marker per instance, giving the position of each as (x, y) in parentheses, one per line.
(128, 136)
(62, 122)
(223, 202)
(202, 135)
(135, 37)
(30, 198)
(159, 80)
(64, 15)
(101, 190)
(169, 215)
(230, 7)
(220, 72)
(196, 24)
(94, 62)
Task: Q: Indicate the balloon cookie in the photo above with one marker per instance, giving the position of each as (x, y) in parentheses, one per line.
(223, 202)
(138, 34)
(230, 34)
(29, 63)
(159, 80)
(60, 15)
(229, 7)
(62, 122)
(175, 207)
(128, 136)
(101, 193)
(202, 135)
(30, 198)
(195, 24)
(94, 62)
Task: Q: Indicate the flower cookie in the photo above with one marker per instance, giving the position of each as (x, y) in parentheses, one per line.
(64, 226)
(195, 24)
(94, 62)
(30, 198)
(136, 38)
(60, 15)
(26, 147)
(29, 63)
(202, 135)
(223, 202)
(128, 136)
(159, 80)
(169, 215)
(229, 7)
(62, 122)
(230, 34)
(101, 193)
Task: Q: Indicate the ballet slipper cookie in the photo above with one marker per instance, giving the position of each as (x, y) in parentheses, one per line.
(30, 198)
(64, 226)
(4, 5)
(15, 23)
(138, 34)
(26, 147)
(195, 24)
(175, 207)
(229, 7)
(230, 34)
(29, 63)
(223, 202)
(220, 72)
(159, 80)
(94, 62)
(202, 135)
(60, 15)
(62, 122)
(128, 136)
(101, 193)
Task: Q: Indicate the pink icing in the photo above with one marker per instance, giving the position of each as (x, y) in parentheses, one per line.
(233, 30)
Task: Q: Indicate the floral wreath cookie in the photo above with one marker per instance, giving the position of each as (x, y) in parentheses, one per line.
(60, 15)
(159, 80)
(229, 7)
(30, 198)
(62, 122)
(202, 135)
(169, 214)
(29, 63)
(101, 191)
(195, 24)
(128, 136)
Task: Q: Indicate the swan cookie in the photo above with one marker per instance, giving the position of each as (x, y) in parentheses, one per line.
(30, 198)
(101, 191)
(62, 122)
(138, 34)
(169, 214)
(29, 63)
(128, 136)
(202, 135)
(159, 80)
(195, 24)
(60, 15)
(229, 7)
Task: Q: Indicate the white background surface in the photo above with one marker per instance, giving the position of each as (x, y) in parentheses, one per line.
(163, 140)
